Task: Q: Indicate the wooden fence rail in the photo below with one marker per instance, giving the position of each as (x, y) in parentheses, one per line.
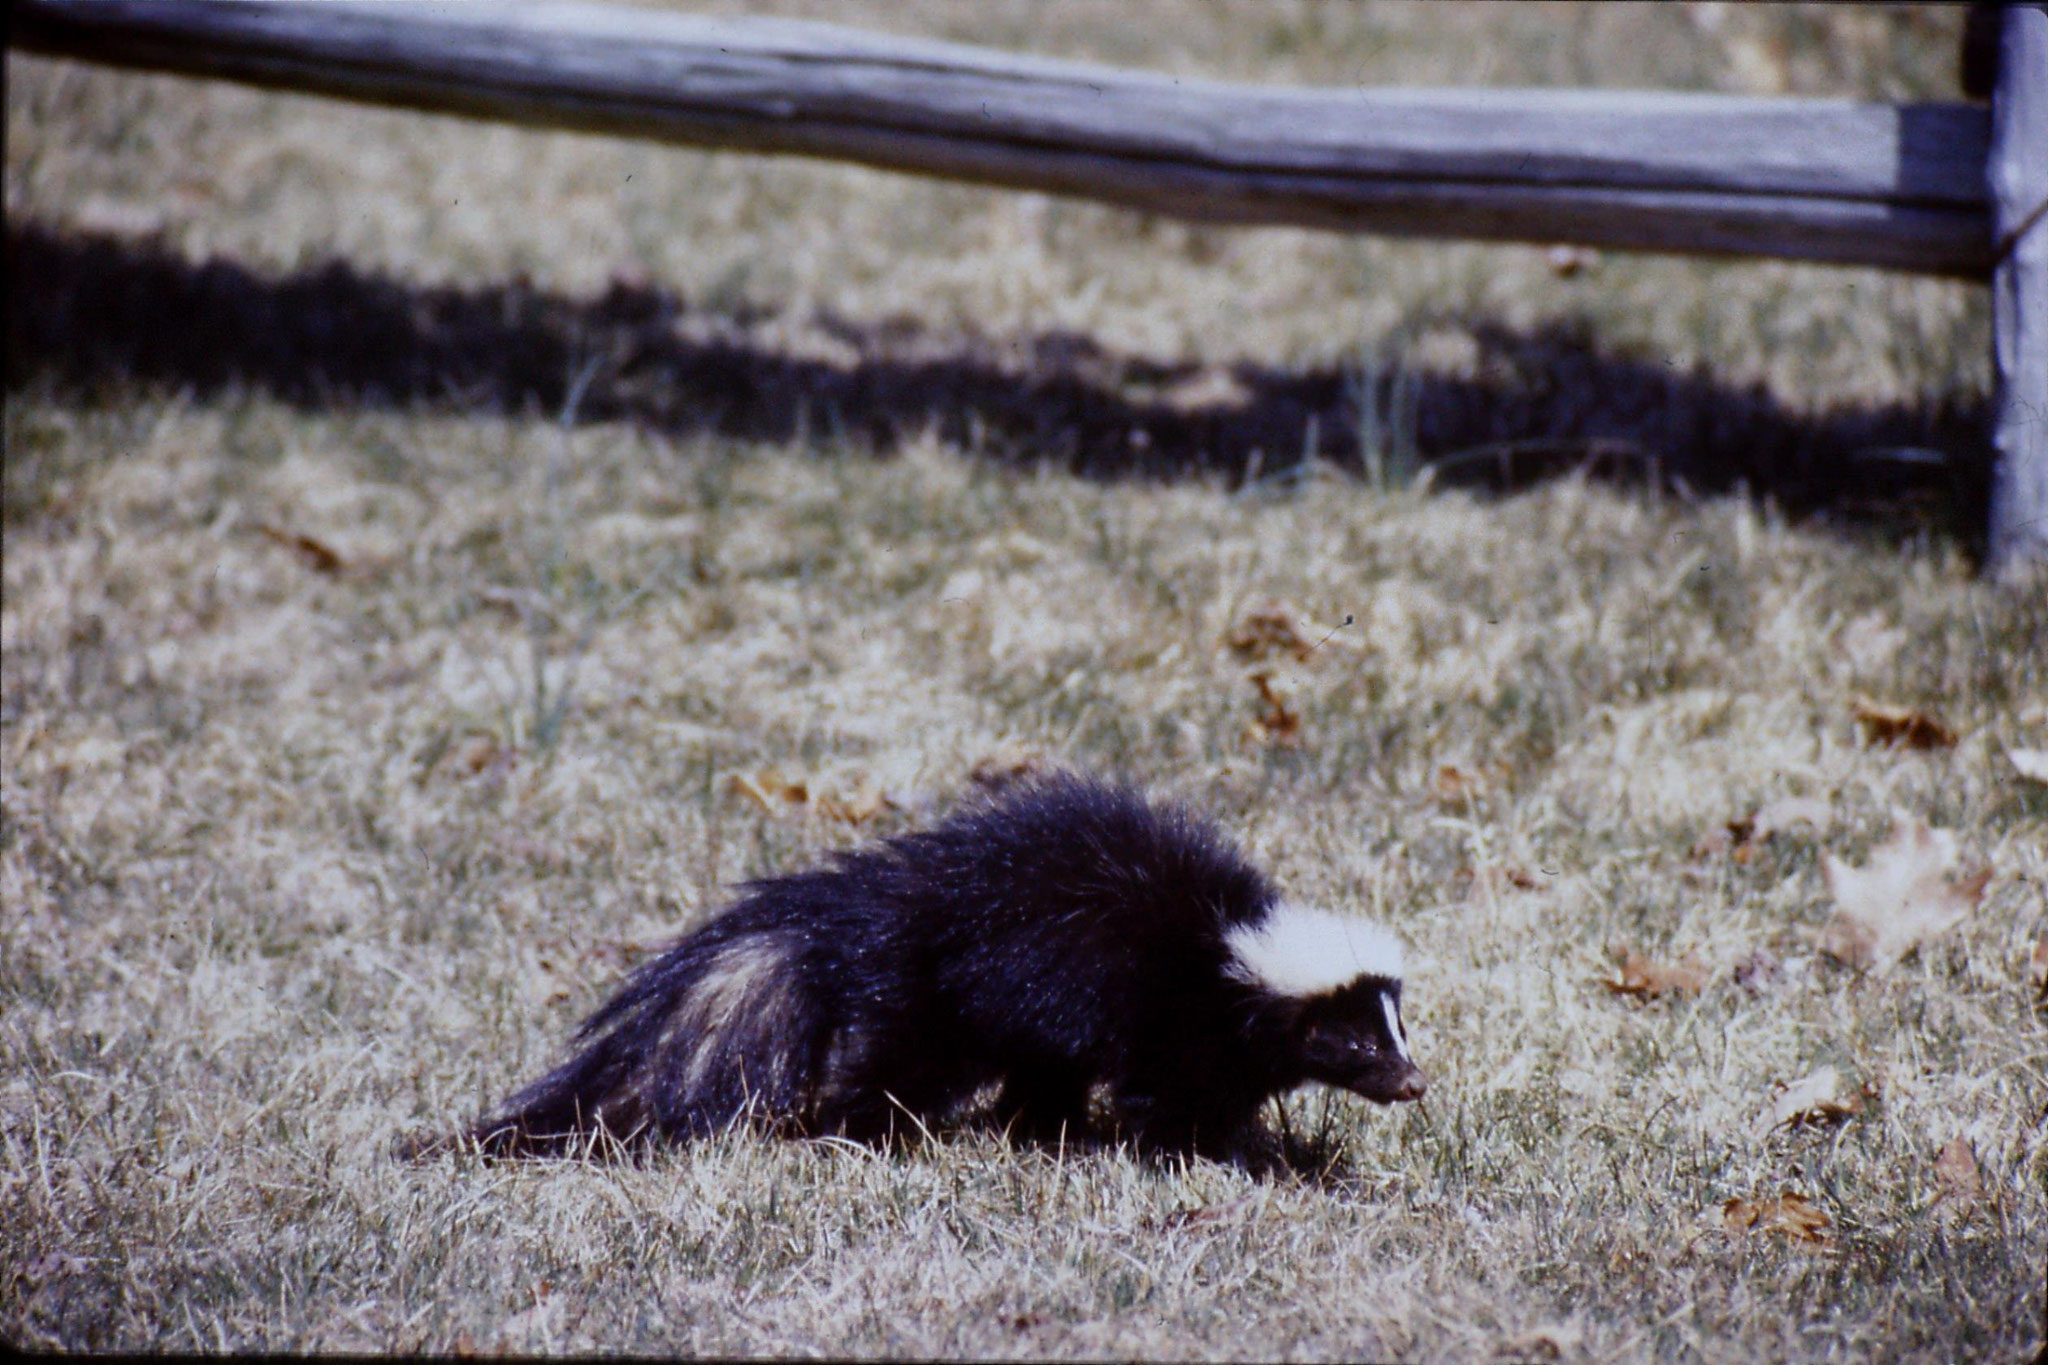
(1898, 186)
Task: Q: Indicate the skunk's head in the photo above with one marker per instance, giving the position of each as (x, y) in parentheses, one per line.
(1336, 986)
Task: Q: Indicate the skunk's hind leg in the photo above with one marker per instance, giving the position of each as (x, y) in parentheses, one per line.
(880, 1087)
(1043, 1103)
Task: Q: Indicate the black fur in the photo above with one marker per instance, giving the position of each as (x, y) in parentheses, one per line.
(1062, 948)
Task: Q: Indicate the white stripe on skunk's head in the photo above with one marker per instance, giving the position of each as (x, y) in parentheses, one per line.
(1299, 950)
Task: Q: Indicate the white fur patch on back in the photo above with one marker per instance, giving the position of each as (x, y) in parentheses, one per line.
(1300, 950)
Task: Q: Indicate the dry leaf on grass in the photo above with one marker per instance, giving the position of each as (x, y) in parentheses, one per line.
(850, 800)
(1956, 1172)
(1883, 723)
(1822, 1098)
(855, 801)
(2032, 764)
(2037, 969)
(1456, 786)
(1900, 898)
(1278, 628)
(1647, 980)
(1741, 838)
(1275, 628)
(771, 791)
(314, 554)
(1559, 1341)
(1493, 878)
(475, 754)
(1788, 1214)
(1008, 762)
(1279, 721)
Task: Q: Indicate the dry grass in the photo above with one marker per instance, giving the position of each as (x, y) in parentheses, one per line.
(301, 852)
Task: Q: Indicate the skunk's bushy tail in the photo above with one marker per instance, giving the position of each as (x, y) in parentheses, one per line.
(718, 1030)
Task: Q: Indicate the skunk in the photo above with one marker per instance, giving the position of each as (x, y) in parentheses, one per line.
(1091, 962)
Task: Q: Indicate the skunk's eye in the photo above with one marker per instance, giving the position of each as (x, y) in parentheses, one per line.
(1343, 1040)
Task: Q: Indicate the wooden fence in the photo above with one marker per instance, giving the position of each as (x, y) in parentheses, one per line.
(1945, 189)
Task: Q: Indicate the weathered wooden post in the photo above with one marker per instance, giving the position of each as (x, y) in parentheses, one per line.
(2018, 178)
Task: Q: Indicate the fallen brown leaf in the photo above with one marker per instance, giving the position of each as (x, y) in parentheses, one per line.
(1883, 723)
(854, 802)
(1822, 1098)
(2037, 969)
(1901, 897)
(1278, 628)
(1275, 628)
(1957, 1173)
(1456, 786)
(315, 555)
(472, 755)
(1647, 980)
(1278, 722)
(770, 790)
(1008, 762)
(1788, 1214)
(1740, 838)
(1496, 877)
(851, 800)
(1560, 1341)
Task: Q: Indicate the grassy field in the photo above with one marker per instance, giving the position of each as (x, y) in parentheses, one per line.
(414, 530)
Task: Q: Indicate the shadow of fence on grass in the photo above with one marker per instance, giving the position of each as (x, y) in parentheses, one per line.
(86, 312)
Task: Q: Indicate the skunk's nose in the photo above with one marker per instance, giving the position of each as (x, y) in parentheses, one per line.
(1412, 1086)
